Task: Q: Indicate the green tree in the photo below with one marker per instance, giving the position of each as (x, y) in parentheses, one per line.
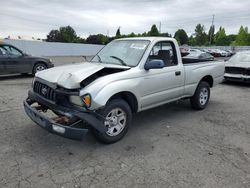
(200, 35)
(231, 39)
(211, 35)
(242, 39)
(54, 36)
(221, 38)
(153, 31)
(181, 36)
(68, 34)
(64, 34)
(97, 39)
(118, 33)
(191, 41)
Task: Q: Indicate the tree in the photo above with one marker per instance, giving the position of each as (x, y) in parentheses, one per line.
(211, 35)
(53, 36)
(118, 33)
(221, 38)
(242, 37)
(231, 39)
(191, 41)
(181, 36)
(64, 34)
(68, 34)
(97, 39)
(200, 35)
(153, 31)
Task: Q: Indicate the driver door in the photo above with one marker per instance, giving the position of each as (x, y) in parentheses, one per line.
(162, 85)
(16, 62)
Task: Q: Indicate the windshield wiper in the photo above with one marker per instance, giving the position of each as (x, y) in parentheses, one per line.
(119, 59)
(99, 58)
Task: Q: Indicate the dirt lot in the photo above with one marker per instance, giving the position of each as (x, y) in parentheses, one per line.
(170, 146)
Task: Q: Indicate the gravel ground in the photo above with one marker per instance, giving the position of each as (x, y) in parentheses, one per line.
(169, 146)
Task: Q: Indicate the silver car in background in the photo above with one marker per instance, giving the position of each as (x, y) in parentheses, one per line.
(238, 67)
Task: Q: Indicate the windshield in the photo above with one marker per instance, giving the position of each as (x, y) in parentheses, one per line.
(122, 52)
(240, 58)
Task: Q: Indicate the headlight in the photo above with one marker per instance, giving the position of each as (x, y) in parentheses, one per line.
(84, 100)
(76, 100)
(87, 100)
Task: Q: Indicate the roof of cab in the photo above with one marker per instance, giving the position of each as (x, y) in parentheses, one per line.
(151, 39)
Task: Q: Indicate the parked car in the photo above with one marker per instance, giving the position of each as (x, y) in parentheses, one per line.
(184, 51)
(127, 76)
(238, 67)
(13, 60)
(197, 57)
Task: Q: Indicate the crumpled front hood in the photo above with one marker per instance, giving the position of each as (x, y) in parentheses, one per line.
(70, 76)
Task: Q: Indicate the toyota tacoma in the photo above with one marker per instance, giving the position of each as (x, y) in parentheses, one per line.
(127, 76)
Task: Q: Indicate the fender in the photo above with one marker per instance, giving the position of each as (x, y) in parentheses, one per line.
(113, 88)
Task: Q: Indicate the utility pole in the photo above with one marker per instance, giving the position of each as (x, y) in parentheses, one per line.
(211, 32)
(160, 27)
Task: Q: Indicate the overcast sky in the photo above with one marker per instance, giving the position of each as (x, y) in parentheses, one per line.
(35, 18)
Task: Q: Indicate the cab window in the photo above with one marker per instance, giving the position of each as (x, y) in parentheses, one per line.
(165, 51)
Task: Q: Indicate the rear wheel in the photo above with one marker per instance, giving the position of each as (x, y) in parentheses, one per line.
(201, 96)
(39, 67)
(118, 117)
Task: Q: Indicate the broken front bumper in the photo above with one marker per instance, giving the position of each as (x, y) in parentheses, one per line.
(68, 131)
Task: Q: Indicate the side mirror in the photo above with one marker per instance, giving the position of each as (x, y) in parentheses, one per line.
(154, 64)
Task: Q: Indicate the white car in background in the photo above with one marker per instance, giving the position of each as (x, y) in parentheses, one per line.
(238, 67)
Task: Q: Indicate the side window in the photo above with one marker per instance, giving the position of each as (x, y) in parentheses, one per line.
(13, 51)
(164, 51)
(3, 51)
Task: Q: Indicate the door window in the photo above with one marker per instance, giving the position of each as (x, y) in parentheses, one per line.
(13, 51)
(164, 51)
(3, 51)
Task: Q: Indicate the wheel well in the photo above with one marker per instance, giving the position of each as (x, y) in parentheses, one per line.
(40, 62)
(129, 98)
(209, 80)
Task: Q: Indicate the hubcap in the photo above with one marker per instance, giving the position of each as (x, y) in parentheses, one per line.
(115, 121)
(40, 68)
(203, 96)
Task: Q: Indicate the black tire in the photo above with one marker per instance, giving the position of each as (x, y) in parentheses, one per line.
(112, 105)
(37, 66)
(197, 101)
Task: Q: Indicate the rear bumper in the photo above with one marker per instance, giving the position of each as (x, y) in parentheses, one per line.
(94, 120)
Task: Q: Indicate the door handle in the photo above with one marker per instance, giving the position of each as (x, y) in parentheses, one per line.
(177, 73)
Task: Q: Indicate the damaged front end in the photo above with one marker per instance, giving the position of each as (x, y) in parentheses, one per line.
(68, 122)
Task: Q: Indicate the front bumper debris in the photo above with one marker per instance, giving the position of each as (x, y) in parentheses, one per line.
(57, 125)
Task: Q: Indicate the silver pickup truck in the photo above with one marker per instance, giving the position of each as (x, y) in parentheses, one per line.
(127, 76)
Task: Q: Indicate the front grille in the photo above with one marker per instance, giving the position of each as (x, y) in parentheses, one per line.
(237, 70)
(44, 90)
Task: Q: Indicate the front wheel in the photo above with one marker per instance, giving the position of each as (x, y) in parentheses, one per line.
(201, 96)
(118, 117)
(38, 67)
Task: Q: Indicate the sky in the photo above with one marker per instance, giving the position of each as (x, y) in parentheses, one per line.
(35, 18)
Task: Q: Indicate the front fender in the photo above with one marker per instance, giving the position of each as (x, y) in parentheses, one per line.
(102, 97)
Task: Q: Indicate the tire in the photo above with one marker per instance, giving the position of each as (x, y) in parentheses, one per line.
(38, 67)
(201, 96)
(118, 117)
